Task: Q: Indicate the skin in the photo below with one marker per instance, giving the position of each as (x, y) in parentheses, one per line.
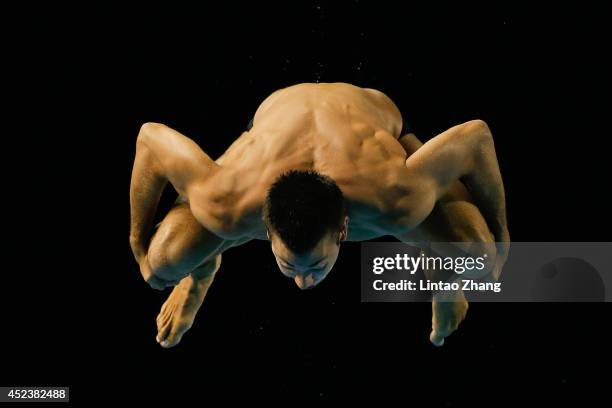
(393, 184)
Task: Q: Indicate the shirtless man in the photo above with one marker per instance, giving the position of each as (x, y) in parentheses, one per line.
(322, 163)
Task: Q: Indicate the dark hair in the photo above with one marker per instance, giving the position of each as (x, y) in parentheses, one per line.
(302, 206)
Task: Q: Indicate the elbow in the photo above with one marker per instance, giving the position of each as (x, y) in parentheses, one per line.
(147, 131)
(479, 129)
(476, 136)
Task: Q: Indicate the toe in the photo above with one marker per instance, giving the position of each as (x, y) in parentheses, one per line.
(174, 337)
(164, 306)
(436, 339)
(162, 320)
(163, 317)
(163, 331)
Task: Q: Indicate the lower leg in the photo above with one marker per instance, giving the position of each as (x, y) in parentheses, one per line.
(182, 250)
(454, 219)
(178, 312)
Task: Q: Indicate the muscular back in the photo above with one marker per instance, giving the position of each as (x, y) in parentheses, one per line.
(339, 130)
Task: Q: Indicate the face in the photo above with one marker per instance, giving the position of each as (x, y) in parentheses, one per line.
(310, 268)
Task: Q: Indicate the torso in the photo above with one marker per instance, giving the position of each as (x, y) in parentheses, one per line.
(339, 130)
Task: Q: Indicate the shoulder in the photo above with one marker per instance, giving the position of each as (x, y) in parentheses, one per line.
(388, 204)
(226, 209)
(386, 105)
(382, 98)
(280, 94)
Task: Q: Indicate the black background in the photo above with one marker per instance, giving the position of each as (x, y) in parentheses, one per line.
(76, 311)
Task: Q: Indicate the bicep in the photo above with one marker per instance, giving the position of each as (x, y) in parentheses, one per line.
(180, 159)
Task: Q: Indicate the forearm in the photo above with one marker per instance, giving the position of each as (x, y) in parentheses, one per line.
(146, 187)
(163, 156)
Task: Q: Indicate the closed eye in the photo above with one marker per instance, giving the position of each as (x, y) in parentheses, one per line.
(290, 265)
(322, 265)
(288, 272)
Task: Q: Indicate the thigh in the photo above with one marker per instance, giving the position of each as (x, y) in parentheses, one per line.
(456, 221)
(452, 220)
(180, 243)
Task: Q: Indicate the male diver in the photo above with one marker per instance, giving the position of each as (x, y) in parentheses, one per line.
(319, 164)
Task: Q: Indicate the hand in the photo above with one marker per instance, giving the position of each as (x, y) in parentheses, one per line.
(448, 311)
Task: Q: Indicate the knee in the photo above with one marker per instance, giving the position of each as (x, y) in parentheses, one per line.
(171, 257)
(163, 255)
(160, 260)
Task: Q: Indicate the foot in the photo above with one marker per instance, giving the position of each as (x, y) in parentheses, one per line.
(179, 311)
(448, 311)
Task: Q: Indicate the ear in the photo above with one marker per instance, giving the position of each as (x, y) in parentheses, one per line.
(344, 229)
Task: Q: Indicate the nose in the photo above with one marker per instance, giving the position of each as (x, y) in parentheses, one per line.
(305, 282)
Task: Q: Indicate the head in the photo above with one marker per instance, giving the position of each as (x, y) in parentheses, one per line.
(305, 218)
